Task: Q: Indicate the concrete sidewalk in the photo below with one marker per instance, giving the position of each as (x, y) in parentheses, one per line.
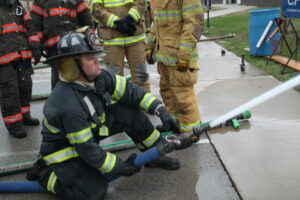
(228, 9)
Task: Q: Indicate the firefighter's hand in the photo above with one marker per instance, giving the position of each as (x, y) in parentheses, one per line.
(128, 168)
(168, 123)
(182, 65)
(37, 54)
(125, 26)
(149, 53)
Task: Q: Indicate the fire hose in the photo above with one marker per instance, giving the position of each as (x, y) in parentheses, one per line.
(33, 186)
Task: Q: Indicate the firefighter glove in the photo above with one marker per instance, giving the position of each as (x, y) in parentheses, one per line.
(125, 26)
(168, 123)
(149, 58)
(182, 65)
(128, 168)
(37, 54)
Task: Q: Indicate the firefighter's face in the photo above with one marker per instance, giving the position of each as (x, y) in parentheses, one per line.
(90, 65)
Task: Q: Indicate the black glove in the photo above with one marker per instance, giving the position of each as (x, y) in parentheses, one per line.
(168, 123)
(128, 168)
(37, 54)
(125, 26)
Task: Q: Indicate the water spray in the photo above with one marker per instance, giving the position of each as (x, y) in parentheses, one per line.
(250, 104)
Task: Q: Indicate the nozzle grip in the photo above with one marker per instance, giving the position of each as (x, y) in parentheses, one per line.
(199, 130)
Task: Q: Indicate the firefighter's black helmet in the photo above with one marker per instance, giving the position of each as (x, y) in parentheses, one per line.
(73, 43)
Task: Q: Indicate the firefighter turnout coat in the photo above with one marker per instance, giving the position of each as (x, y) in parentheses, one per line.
(14, 33)
(108, 11)
(76, 120)
(178, 25)
(52, 18)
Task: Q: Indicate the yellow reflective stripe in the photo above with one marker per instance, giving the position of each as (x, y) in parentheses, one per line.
(175, 117)
(102, 118)
(97, 1)
(93, 125)
(110, 22)
(194, 57)
(109, 163)
(149, 39)
(188, 46)
(80, 136)
(115, 3)
(135, 14)
(147, 101)
(189, 127)
(152, 138)
(120, 88)
(61, 155)
(125, 40)
(140, 146)
(51, 128)
(171, 61)
(196, 7)
(167, 15)
(103, 131)
(51, 183)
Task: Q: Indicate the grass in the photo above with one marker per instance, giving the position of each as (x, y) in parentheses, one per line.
(238, 23)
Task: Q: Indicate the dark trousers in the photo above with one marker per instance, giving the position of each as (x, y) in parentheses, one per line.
(78, 181)
(15, 90)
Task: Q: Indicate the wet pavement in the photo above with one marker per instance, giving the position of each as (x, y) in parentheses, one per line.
(257, 161)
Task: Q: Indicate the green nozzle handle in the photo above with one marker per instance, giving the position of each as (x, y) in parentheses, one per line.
(246, 114)
(235, 123)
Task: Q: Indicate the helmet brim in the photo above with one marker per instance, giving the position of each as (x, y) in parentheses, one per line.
(74, 54)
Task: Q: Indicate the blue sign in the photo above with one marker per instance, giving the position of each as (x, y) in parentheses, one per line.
(207, 4)
(290, 8)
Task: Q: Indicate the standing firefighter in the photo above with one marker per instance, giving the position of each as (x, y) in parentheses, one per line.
(50, 20)
(178, 25)
(15, 68)
(122, 28)
(86, 106)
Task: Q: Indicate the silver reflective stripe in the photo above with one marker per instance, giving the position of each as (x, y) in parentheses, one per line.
(51, 183)
(61, 156)
(81, 136)
(109, 163)
(89, 105)
(152, 138)
(103, 131)
(51, 128)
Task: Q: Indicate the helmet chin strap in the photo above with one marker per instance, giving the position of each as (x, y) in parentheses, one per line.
(78, 63)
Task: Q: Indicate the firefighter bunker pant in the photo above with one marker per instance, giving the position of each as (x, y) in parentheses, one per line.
(76, 180)
(136, 57)
(178, 94)
(15, 91)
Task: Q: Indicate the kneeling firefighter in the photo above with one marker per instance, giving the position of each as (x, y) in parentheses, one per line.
(88, 105)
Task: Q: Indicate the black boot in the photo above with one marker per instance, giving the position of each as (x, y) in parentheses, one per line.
(17, 132)
(28, 120)
(164, 162)
(38, 169)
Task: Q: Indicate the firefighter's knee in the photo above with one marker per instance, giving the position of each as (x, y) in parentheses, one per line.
(114, 69)
(142, 73)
